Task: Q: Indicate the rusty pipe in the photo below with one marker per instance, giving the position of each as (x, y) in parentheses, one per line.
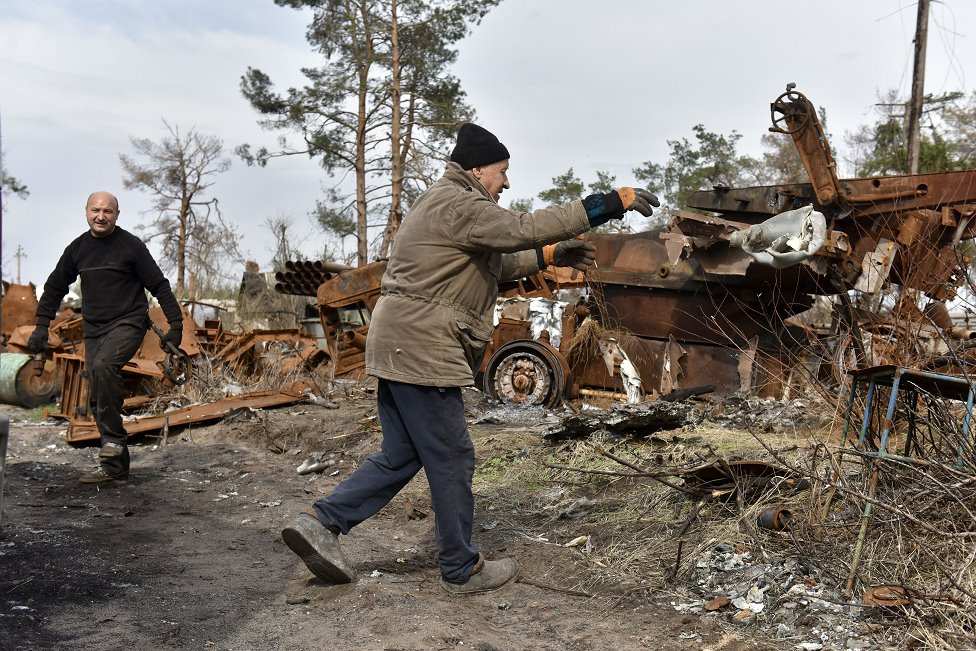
(938, 313)
(869, 197)
(354, 339)
(335, 267)
(775, 519)
(962, 333)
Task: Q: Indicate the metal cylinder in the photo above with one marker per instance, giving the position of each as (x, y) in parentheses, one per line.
(776, 519)
(354, 339)
(335, 267)
(20, 386)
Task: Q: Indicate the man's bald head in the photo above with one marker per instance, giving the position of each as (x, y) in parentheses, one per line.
(102, 211)
(101, 194)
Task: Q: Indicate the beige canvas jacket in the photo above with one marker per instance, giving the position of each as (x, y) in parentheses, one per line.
(432, 323)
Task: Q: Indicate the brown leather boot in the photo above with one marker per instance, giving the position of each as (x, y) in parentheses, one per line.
(111, 451)
(101, 477)
(486, 576)
(319, 548)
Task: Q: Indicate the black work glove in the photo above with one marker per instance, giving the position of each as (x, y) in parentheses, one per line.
(173, 336)
(638, 199)
(37, 343)
(601, 208)
(571, 253)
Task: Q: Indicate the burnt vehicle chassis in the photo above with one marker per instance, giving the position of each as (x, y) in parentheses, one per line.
(700, 305)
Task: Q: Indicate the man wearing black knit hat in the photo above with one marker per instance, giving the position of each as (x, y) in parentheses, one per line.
(427, 336)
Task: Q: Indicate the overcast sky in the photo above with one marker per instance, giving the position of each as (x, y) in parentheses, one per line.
(592, 85)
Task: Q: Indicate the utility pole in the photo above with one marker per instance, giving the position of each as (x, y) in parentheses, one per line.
(19, 254)
(918, 87)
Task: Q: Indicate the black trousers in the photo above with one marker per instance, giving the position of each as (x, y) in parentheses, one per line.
(423, 427)
(105, 356)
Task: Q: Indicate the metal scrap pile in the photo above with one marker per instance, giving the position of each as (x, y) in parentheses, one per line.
(217, 360)
(723, 296)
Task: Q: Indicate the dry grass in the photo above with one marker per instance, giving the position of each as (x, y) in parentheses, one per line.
(646, 537)
(641, 531)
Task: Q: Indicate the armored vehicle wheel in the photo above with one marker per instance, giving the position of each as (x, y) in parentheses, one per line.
(527, 372)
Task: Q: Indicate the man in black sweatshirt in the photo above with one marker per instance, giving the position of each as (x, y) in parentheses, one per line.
(115, 268)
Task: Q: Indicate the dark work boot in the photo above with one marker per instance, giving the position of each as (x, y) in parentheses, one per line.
(111, 451)
(486, 576)
(319, 548)
(100, 476)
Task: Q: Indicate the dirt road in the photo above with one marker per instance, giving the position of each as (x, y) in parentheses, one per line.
(187, 554)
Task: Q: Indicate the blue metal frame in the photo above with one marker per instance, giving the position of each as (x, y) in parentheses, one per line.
(898, 377)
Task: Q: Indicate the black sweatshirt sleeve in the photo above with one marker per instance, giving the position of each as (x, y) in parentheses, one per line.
(56, 287)
(153, 279)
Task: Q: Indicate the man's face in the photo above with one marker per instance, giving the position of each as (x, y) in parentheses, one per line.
(494, 177)
(102, 212)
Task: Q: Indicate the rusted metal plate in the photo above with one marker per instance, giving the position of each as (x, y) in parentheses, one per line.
(150, 349)
(17, 308)
(360, 284)
(81, 430)
(888, 596)
(699, 317)
(753, 204)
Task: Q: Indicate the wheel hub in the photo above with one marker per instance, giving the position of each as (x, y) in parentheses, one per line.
(524, 379)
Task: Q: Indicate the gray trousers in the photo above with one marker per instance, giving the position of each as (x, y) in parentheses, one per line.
(423, 427)
(105, 356)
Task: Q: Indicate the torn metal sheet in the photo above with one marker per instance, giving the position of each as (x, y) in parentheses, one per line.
(542, 314)
(784, 240)
(876, 267)
(619, 364)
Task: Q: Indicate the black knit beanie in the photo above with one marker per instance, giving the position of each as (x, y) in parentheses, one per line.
(476, 147)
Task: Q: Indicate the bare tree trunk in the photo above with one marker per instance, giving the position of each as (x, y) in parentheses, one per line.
(396, 206)
(181, 245)
(364, 58)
